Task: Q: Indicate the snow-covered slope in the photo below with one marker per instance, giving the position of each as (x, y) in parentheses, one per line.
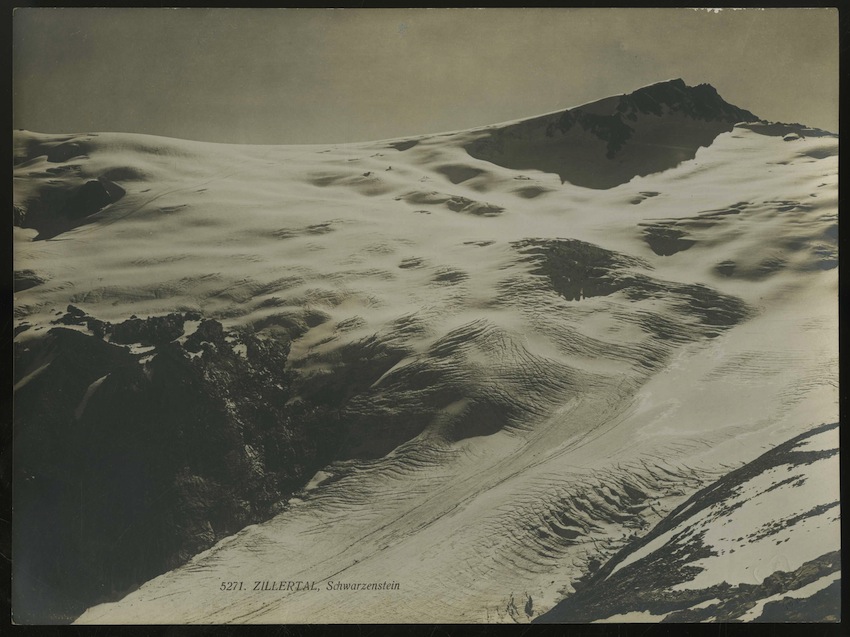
(778, 515)
(516, 374)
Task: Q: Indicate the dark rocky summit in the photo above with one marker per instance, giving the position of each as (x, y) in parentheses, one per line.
(607, 143)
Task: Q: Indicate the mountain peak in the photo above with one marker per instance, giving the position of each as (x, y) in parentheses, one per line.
(608, 142)
(701, 102)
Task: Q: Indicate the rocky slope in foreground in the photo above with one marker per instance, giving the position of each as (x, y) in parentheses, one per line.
(779, 515)
(142, 443)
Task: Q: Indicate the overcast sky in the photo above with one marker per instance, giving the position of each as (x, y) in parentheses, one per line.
(316, 76)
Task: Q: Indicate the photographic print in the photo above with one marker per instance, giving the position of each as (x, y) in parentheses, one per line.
(425, 316)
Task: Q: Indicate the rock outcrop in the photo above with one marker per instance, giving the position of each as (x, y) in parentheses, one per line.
(67, 207)
(607, 143)
(786, 564)
(136, 454)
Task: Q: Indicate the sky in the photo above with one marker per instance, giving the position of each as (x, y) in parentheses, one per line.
(294, 76)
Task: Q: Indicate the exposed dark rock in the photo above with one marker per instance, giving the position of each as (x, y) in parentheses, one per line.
(62, 208)
(648, 584)
(700, 102)
(653, 129)
(97, 327)
(26, 279)
(156, 330)
(126, 467)
(150, 458)
(56, 150)
(208, 332)
(665, 240)
(73, 316)
(91, 197)
(824, 605)
(411, 262)
(577, 269)
(67, 150)
(404, 145)
(779, 129)
(609, 128)
(23, 327)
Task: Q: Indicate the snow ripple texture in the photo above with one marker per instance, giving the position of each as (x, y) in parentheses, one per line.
(537, 372)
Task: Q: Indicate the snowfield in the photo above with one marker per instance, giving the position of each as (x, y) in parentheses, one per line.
(526, 374)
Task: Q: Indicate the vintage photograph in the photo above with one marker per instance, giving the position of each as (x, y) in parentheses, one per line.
(425, 316)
